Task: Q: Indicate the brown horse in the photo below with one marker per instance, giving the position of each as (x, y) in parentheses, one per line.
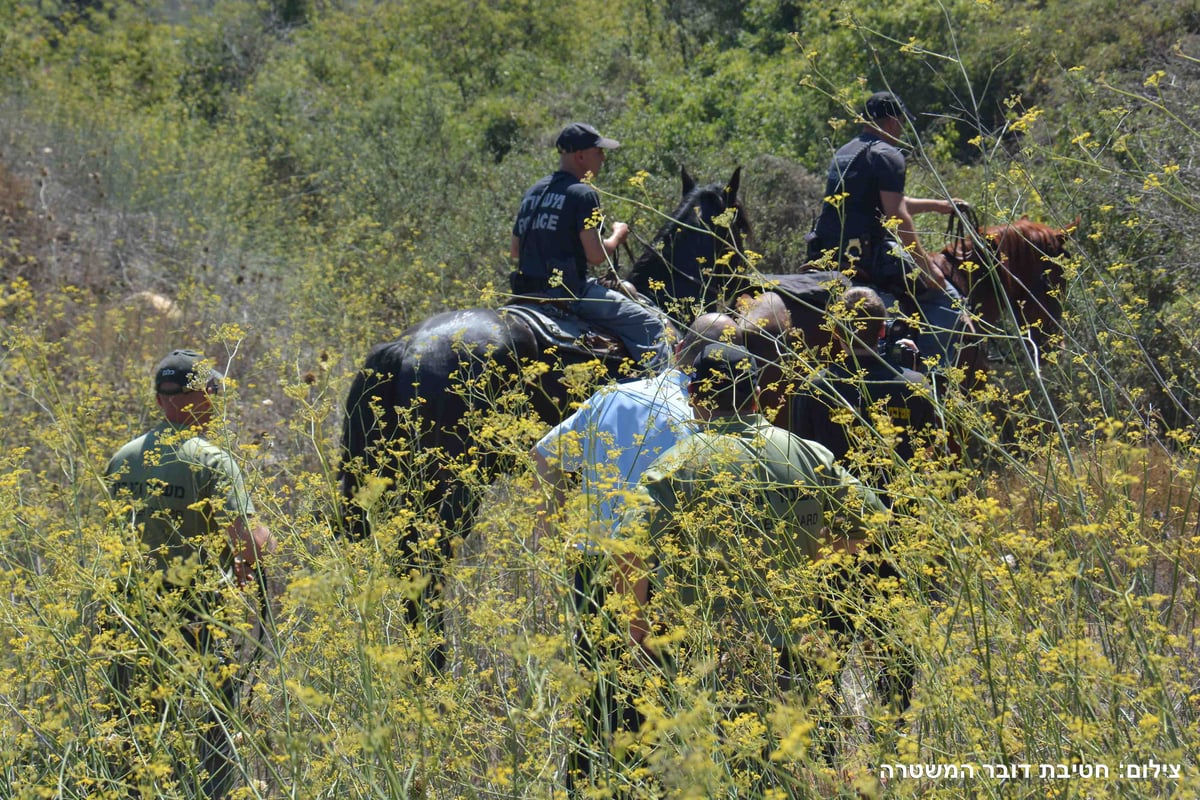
(1011, 271)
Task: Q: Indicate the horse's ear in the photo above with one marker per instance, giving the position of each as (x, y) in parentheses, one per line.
(689, 182)
(731, 188)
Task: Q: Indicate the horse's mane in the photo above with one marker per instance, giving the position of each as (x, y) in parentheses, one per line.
(1024, 244)
(686, 210)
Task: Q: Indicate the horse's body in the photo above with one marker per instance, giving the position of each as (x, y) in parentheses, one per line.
(414, 396)
(414, 438)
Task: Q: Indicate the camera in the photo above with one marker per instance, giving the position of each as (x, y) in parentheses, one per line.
(898, 346)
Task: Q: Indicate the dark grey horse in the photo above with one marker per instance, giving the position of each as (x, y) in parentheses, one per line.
(417, 442)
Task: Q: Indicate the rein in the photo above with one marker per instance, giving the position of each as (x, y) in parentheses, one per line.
(965, 236)
(649, 246)
(963, 228)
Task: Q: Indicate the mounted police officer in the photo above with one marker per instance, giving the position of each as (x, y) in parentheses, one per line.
(866, 225)
(865, 188)
(559, 232)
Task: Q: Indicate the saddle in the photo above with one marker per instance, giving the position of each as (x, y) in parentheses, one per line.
(552, 325)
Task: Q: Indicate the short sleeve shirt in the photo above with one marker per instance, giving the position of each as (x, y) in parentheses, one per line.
(553, 214)
(767, 472)
(615, 436)
(860, 170)
(181, 488)
(740, 500)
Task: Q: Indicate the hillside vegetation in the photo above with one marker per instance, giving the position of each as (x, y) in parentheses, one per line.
(285, 183)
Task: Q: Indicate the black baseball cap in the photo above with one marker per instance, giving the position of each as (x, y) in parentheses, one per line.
(185, 371)
(886, 104)
(581, 136)
(725, 374)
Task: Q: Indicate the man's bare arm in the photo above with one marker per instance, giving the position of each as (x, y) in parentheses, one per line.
(598, 250)
(553, 481)
(630, 578)
(249, 542)
(895, 205)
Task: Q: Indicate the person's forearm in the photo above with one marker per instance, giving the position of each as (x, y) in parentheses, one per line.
(551, 479)
(612, 243)
(926, 205)
(629, 578)
(906, 231)
(597, 249)
(249, 542)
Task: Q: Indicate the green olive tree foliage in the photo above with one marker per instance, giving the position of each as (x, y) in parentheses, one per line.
(285, 184)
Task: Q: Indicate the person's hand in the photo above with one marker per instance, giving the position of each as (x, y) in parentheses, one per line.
(644, 655)
(620, 232)
(243, 572)
(930, 273)
(639, 636)
(255, 543)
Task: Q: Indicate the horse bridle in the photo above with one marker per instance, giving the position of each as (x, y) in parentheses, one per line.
(963, 227)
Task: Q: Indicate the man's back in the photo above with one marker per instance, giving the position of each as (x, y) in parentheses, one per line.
(616, 435)
(181, 488)
(552, 215)
(740, 506)
(859, 171)
(864, 402)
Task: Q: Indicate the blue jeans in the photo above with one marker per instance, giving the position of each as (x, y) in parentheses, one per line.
(942, 315)
(638, 326)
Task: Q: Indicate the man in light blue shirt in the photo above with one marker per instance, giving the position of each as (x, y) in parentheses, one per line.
(609, 442)
(619, 431)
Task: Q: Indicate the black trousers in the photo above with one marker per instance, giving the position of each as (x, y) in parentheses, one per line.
(860, 579)
(156, 665)
(606, 710)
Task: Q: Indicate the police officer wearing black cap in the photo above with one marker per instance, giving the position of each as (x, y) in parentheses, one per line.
(560, 230)
(865, 188)
(185, 500)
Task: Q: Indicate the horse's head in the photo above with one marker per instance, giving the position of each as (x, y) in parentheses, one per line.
(1018, 267)
(698, 248)
(707, 205)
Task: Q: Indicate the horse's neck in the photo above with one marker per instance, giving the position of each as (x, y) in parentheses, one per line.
(650, 267)
(655, 264)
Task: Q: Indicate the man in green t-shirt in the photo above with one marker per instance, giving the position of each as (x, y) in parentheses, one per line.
(183, 488)
(741, 507)
(186, 499)
(741, 517)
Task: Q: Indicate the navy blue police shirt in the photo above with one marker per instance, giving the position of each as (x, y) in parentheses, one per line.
(872, 385)
(858, 173)
(553, 214)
